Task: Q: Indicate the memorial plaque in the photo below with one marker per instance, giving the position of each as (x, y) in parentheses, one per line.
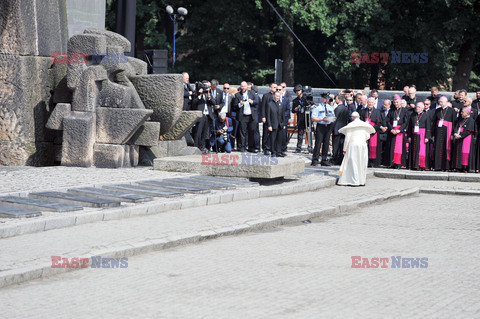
(111, 194)
(39, 204)
(88, 201)
(176, 187)
(144, 190)
(11, 212)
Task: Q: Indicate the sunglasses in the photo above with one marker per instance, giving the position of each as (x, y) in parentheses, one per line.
(279, 89)
(283, 86)
(349, 100)
(226, 88)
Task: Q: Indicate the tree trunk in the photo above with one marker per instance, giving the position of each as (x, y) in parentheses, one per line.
(288, 45)
(461, 79)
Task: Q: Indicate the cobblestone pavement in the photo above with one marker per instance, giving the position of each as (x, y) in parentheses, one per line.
(302, 271)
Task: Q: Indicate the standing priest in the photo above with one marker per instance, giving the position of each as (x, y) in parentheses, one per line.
(444, 121)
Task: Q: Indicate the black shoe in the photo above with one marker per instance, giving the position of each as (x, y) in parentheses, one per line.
(266, 153)
(298, 151)
(325, 163)
(281, 155)
(242, 150)
(314, 163)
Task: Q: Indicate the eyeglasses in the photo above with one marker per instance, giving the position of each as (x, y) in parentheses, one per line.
(349, 99)
(226, 88)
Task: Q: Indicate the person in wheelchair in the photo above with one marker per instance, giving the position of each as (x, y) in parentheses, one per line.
(221, 130)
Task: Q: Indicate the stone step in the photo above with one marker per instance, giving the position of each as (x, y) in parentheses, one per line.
(37, 204)
(175, 187)
(143, 190)
(86, 201)
(226, 180)
(117, 195)
(12, 212)
(204, 183)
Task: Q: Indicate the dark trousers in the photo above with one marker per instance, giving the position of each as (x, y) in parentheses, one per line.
(337, 144)
(276, 140)
(265, 138)
(301, 131)
(247, 123)
(202, 132)
(284, 140)
(257, 138)
(322, 137)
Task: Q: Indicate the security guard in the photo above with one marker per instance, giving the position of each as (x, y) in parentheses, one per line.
(324, 129)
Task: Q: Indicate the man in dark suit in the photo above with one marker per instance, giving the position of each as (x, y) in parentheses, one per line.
(378, 103)
(267, 97)
(383, 134)
(363, 104)
(476, 102)
(285, 100)
(217, 96)
(246, 104)
(275, 124)
(203, 102)
(187, 92)
(226, 107)
(342, 115)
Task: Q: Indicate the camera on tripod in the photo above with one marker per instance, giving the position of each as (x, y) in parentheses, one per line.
(308, 93)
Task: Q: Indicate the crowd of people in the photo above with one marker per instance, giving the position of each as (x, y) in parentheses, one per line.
(231, 117)
(429, 134)
(410, 132)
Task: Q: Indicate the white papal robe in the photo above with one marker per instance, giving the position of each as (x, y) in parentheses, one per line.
(353, 170)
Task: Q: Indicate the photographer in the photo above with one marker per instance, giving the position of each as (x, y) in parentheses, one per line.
(299, 105)
(221, 129)
(203, 102)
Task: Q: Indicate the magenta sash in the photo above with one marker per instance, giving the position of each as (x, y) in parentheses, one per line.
(449, 137)
(422, 154)
(372, 152)
(467, 141)
(398, 150)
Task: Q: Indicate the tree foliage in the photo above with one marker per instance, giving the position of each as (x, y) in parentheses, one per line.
(236, 40)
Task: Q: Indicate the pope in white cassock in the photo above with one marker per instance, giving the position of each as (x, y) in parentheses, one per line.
(353, 171)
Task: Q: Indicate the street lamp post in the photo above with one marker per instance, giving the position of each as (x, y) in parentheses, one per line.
(175, 17)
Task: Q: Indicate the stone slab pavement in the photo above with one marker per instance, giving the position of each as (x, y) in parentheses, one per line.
(302, 271)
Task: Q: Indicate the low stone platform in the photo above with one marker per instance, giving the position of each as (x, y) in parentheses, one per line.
(427, 175)
(233, 165)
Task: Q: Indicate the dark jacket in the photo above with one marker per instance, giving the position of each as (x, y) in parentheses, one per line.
(198, 104)
(342, 115)
(275, 115)
(253, 105)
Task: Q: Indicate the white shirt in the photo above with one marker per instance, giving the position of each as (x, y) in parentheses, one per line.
(246, 106)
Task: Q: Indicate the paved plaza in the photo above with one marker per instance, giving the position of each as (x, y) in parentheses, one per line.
(297, 271)
(262, 261)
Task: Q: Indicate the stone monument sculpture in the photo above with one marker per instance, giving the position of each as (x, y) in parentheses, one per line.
(81, 102)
